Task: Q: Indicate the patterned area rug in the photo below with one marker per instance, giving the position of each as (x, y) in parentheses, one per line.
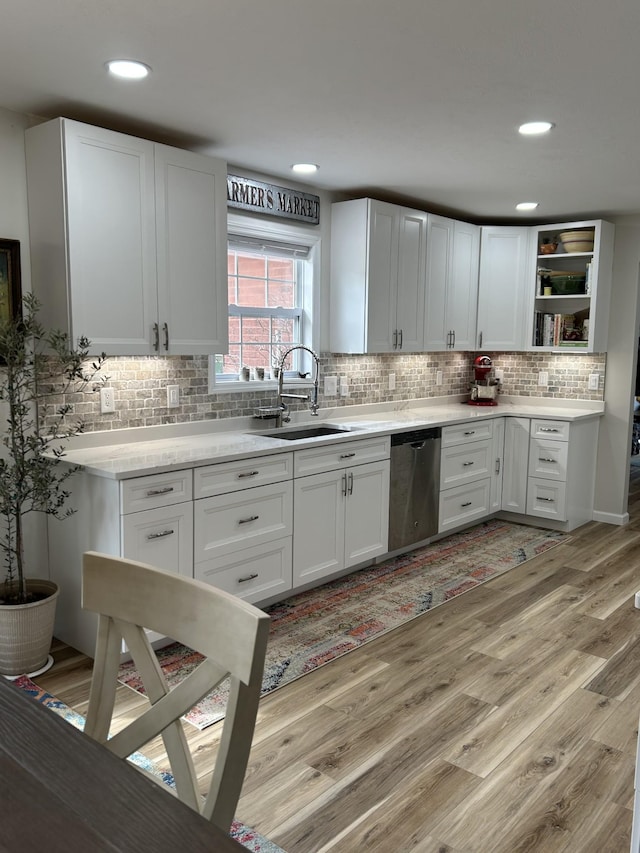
(315, 627)
(246, 836)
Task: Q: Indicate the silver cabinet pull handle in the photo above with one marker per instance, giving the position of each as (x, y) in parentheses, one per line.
(545, 459)
(395, 339)
(468, 503)
(250, 577)
(247, 520)
(156, 337)
(165, 329)
(344, 485)
(160, 535)
(497, 466)
(466, 464)
(470, 432)
(248, 474)
(346, 455)
(350, 484)
(400, 344)
(152, 493)
(549, 429)
(548, 500)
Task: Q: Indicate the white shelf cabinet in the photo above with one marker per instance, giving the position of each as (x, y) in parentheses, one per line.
(571, 322)
(128, 240)
(503, 296)
(453, 253)
(378, 273)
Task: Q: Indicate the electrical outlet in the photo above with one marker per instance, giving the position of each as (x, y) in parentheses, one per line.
(392, 381)
(543, 379)
(594, 381)
(173, 396)
(344, 386)
(330, 386)
(107, 401)
(438, 377)
(499, 374)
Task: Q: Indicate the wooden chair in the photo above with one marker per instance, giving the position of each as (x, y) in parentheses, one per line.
(231, 634)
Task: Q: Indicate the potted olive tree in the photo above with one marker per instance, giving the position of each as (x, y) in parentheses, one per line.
(36, 368)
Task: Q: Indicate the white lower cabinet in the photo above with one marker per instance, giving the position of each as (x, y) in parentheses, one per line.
(515, 464)
(242, 536)
(341, 507)
(466, 474)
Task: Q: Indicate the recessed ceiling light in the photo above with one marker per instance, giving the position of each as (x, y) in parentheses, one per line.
(527, 205)
(128, 68)
(304, 168)
(534, 128)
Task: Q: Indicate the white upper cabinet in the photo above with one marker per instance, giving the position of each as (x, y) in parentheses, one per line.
(128, 240)
(503, 296)
(570, 286)
(453, 250)
(378, 272)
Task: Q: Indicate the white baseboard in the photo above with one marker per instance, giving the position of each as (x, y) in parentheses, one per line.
(611, 517)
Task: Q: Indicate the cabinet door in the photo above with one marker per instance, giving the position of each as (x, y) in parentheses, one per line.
(366, 512)
(439, 242)
(516, 457)
(318, 541)
(502, 288)
(190, 191)
(162, 537)
(497, 446)
(111, 238)
(382, 276)
(462, 291)
(412, 252)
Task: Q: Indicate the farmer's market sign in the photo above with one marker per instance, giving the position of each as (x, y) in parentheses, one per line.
(272, 200)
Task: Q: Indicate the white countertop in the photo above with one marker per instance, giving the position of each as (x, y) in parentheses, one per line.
(121, 454)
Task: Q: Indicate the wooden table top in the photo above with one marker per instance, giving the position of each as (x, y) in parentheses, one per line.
(62, 791)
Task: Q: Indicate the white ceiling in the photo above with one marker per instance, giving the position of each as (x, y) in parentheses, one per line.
(405, 99)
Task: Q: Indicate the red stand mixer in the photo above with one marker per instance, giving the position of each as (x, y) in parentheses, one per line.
(484, 387)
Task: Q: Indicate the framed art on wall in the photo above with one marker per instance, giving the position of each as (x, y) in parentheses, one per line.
(10, 287)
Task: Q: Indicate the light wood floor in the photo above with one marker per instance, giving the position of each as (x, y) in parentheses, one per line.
(502, 721)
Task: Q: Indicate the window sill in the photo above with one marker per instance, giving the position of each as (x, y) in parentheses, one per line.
(257, 385)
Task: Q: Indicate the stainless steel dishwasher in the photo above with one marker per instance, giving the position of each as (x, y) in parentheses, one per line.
(415, 486)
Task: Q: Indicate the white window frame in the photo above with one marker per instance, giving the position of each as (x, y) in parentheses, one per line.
(309, 291)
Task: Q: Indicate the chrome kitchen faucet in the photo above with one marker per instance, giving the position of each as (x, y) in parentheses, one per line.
(283, 410)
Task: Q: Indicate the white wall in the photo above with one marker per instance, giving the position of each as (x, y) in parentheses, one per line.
(14, 226)
(614, 444)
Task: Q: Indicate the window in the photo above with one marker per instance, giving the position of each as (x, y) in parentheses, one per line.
(270, 281)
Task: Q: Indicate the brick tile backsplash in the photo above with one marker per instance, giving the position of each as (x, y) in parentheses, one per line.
(139, 384)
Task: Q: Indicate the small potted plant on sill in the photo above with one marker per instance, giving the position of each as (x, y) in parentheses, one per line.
(35, 365)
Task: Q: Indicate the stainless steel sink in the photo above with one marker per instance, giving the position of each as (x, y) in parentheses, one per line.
(296, 433)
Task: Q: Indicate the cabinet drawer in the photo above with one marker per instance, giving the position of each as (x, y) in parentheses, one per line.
(465, 463)
(156, 490)
(548, 459)
(344, 454)
(555, 430)
(233, 476)
(254, 573)
(464, 433)
(464, 504)
(224, 523)
(162, 537)
(546, 499)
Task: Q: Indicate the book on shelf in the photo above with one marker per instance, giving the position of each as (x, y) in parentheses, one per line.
(552, 330)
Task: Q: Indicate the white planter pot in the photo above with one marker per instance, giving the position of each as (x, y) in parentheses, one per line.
(26, 630)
